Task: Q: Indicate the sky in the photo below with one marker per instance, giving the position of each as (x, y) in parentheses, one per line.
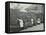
(22, 7)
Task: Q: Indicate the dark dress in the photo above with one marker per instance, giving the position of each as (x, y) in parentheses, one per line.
(19, 28)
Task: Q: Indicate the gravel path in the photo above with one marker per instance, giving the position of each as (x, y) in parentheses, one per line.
(37, 27)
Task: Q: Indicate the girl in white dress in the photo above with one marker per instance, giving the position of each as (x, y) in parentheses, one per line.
(32, 21)
(21, 22)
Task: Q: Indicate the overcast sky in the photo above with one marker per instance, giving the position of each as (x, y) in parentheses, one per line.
(22, 7)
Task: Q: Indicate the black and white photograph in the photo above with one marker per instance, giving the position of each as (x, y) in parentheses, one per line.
(25, 17)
